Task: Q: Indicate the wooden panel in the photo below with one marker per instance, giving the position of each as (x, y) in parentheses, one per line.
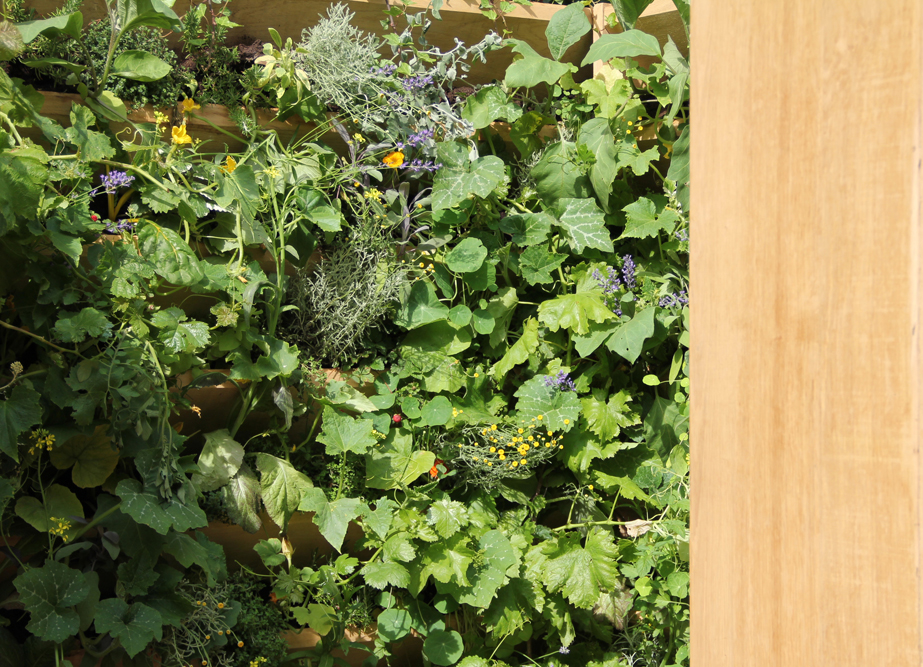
(462, 19)
(805, 265)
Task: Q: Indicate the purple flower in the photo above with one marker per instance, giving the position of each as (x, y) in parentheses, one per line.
(115, 180)
(680, 298)
(417, 82)
(628, 271)
(682, 235)
(422, 165)
(387, 70)
(119, 227)
(561, 381)
(610, 285)
(420, 137)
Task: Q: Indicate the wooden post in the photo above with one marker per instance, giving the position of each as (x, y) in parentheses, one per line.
(806, 274)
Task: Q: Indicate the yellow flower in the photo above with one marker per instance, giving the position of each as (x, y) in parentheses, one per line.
(541, 416)
(493, 427)
(160, 118)
(590, 487)
(514, 464)
(188, 105)
(523, 462)
(493, 449)
(180, 136)
(358, 137)
(240, 644)
(220, 605)
(230, 164)
(394, 159)
(502, 457)
(567, 421)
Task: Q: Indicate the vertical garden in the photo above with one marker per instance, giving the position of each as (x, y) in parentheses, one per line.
(320, 351)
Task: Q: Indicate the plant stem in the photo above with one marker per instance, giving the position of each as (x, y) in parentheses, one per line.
(39, 338)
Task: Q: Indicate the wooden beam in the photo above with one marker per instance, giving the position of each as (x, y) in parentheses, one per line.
(806, 274)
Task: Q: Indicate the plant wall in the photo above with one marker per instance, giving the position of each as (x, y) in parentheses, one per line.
(498, 470)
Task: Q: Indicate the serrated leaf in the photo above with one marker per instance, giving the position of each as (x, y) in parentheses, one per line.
(583, 225)
(241, 497)
(489, 104)
(135, 626)
(19, 412)
(399, 547)
(331, 518)
(459, 177)
(146, 507)
(557, 175)
(581, 573)
(628, 44)
(448, 560)
(93, 146)
(575, 312)
(515, 605)
(447, 517)
(642, 220)
(382, 575)
(76, 327)
(607, 419)
(536, 265)
(628, 339)
(282, 487)
(159, 199)
(519, 351)
(565, 29)
(395, 463)
(555, 406)
(527, 228)
(219, 461)
(50, 593)
(179, 335)
(169, 254)
(342, 433)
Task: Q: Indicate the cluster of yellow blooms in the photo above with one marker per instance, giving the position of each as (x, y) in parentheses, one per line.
(41, 439)
(373, 193)
(60, 527)
(510, 447)
(259, 661)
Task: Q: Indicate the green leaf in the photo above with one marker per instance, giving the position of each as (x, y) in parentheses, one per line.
(420, 306)
(382, 575)
(527, 228)
(582, 224)
(443, 647)
(239, 190)
(460, 316)
(331, 518)
(178, 335)
(436, 412)
(345, 434)
(608, 419)
(565, 29)
(395, 463)
(628, 339)
(319, 617)
(555, 406)
(75, 327)
(515, 605)
(18, 413)
(448, 560)
(460, 178)
(608, 96)
(643, 221)
(575, 312)
(169, 254)
(92, 457)
(65, 24)
(393, 624)
(489, 104)
(558, 176)
(279, 359)
(441, 336)
(484, 322)
(581, 573)
(679, 168)
(146, 507)
(219, 461)
(153, 13)
(447, 517)
(663, 424)
(23, 175)
(596, 135)
(282, 486)
(327, 218)
(536, 265)
(519, 351)
(60, 505)
(135, 626)
(92, 145)
(628, 44)
(533, 69)
(137, 575)
(49, 593)
(139, 66)
(629, 11)
(467, 256)
(241, 498)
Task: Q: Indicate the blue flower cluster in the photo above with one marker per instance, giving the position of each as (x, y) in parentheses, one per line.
(682, 235)
(610, 284)
(628, 271)
(680, 298)
(422, 165)
(416, 139)
(417, 82)
(387, 70)
(119, 227)
(115, 180)
(561, 381)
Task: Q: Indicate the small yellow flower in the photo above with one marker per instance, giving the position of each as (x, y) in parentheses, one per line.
(188, 105)
(358, 137)
(208, 636)
(180, 136)
(160, 118)
(541, 416)
(519, 431)
(567, 421)
(196, 409)
(240, 644)
(523, 462)
(493, 427)
(590, 487)
(475, 459)
(502, 457)
(477, 375)
(272, 172)
(220, 605)
(514, 464)
(493, 449)
(394, 159)
(489, 464)
(230, 164)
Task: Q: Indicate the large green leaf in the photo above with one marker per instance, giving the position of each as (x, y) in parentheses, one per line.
(177, 333)
(92, 457)
(331, 518)
(558, 176)
(515, 605)
(663, 424)
(146, 507)
(92, 145)
(566, 28)
(381, 575)
(629, 11)
(76, 327)
(643, 219)
(17, 413)
(533, 69)
(23, 175)
(420, 306)
(607, 419)
(467, 256)
(527, 228)
(153, 13)
(239, 188)
(628, 44)
(679, 168)
(241, 498)
(536, 265)
(448, 560)
(519, 351)
(135, 626)
(460, 177)
(559, 409)
(61, 504)
(447, 516)
(441, 336)
(283, 488)
(489, 104)
(581, 573)
(596, 135)
(139, 66)
(49, 593)
(443, 647)
(393, 624)
(575, 312)
(395, 463)
(169, 254)
(342, 433)
(582, 224)
(628, 339)
(219, 461)
(65, 24)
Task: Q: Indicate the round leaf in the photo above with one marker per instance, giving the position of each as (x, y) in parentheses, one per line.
(443, 647)
(483, 321)
(91, 456)
(393, 624)
(437, 412)
(467, 256)
(460, 315)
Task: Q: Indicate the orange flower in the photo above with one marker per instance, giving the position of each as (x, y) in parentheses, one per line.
(434, 472)
(273, 598)
(180, 136)
(394, 160)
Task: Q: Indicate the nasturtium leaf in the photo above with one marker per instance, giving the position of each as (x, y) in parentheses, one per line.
(331, 518)
(460, 178)
(628, 44)
(643, 220)
(135, 626)
(559, 409)
(270, 551)
(420, 306)
(169, 254)
(139, 66)
(75, 327)
(628, 339)
(489, 104)
(448, 560)
(519, 351)
(581, 573)
(342, 433)
(565, 29)
(467, 256)
(582, 224)
(527, 228)
(443, 336)
(241, 499)
(282, 486)
(61, 505)
(177, 333)
(607, 419)
(395, 463)
(436, 412)
(17, 413)
(447, 517)
(219, 461)
(483, 321)
(575, 312)
(393, 624)
(50, 593)
(92, 457)
(678, 584)
(443, 647)
(460, 316)
(382, 575)
(536, 265)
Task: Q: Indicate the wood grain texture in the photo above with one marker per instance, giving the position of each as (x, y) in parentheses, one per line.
(806, 473)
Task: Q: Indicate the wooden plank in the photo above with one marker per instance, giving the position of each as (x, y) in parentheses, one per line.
(806, 260)
(462, 20)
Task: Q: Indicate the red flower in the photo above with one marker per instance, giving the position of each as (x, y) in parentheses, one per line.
(94, 217)
(396, 419)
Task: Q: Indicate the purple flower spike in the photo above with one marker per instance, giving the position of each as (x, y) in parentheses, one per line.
(115, 180)
(561, 382)
(628, 271)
